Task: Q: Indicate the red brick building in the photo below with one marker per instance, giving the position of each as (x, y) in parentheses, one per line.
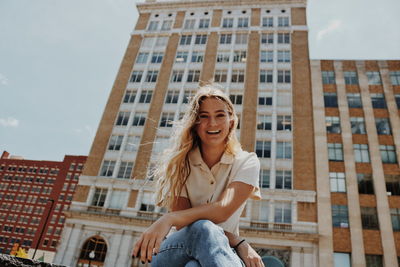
(26, 190)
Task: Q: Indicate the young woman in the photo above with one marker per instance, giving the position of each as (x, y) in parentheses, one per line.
(205, 180)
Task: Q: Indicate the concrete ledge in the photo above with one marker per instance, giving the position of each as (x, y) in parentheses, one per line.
(11, 261)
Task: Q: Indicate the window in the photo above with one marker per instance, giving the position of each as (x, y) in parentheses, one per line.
(136, 77)
(378, 101)
(357, 125)
(157, 57)
(395, 77)
(350, 77)
(374, 78)
(108, 168)
(148, 42)
(340, 217)
(123, 117)
(388, 154)
(181, 57)
(185, 40)
(187, 94)
(153, 25)
(220, 76)
(177, 76)
(145, 96)
(125, 170)
(264, 122)
(392, 184)
(204, 23)
(172, 97)
(130, 96)
(283, 150)
(373, 260)
(237, 76)
(365, 185)
(328, 77)
(264, 178)
(283, 56)
(227, 23)
(223, 57)
(267, 56)
(265, 100)
(189, 24)
(166, 119)
(241, 38)
(268, 22)
(200, 39)
(354, 100)
(332, 124)
(142, 58)
(243, 22)
(236, 99)
(361, 153)
(139, 119)
(161, 41)
(151, 76)
(166, 25)
(397, 98)
(330, 100)
(283, 212)
(263, 149)
(160, 144)
(369, 218)
(239, 56)
(267, 38)
(395, 215)
(284, 123)
(337, 181)
(283, 76)
(197, 56)
(147, 202)
(335, 152)
(225, 39)
(115, 142)
(283, 180)
(283, 38)
(382, 125)
(132, 143)
(193, 76)
(266, 76)
(283, 21)
(118, 199)
(99, 197)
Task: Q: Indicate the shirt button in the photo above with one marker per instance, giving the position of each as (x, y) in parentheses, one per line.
(212, 182)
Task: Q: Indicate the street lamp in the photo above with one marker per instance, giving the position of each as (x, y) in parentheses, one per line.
(91, 256)
(44, 227)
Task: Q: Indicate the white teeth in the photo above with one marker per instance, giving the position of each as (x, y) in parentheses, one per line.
(214, 132)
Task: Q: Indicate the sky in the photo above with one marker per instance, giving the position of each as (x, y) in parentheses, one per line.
(59, 60)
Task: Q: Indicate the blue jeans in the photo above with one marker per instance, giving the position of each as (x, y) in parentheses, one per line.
(201, 243)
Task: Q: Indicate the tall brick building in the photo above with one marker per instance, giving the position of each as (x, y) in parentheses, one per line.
(26, 188)
(258, 51)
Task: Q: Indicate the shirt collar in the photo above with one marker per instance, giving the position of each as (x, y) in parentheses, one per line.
(196, 159)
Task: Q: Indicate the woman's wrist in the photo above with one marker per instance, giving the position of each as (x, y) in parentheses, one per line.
(238, 244)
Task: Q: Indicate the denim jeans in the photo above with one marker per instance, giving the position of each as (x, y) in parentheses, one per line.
(201, 243)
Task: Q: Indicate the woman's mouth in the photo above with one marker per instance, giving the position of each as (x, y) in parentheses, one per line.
(214, 132)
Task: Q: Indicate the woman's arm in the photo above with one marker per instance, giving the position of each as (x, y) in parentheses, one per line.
(231, 199)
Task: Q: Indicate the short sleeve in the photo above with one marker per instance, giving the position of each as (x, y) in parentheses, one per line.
(248, 172)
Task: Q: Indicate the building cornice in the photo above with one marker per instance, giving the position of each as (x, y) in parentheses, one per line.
(159, 5)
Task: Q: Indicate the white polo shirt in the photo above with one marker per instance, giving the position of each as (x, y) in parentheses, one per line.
(204, 185)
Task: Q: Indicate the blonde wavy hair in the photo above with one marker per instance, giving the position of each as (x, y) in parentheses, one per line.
(173, 167)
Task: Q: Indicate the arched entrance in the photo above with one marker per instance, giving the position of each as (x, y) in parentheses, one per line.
(93, 252)
(272, 261)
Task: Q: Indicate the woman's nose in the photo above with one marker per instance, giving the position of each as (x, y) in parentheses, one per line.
(213, 121)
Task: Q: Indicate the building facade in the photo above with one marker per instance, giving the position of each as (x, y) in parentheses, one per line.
(26, 190)
(258, 51)
(357, 137)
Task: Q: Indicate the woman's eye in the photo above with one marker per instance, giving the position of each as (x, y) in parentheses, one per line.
(203, 116)
(221, 115)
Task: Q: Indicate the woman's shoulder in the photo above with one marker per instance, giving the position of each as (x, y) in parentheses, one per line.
(243, 155)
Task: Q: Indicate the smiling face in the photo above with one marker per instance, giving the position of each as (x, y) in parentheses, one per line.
(213, 122)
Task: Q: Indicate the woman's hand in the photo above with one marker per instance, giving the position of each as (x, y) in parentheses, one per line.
(249, 256)
(150, 241)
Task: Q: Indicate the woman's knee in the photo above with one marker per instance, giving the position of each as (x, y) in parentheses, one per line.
(206, 227)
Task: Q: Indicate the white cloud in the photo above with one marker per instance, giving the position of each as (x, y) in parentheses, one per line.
(9, 122)
(87, 129)
(334, 25)
(3, 79)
